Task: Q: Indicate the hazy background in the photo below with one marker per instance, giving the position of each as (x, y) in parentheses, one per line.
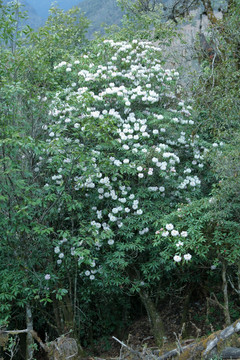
(41, 7)
(97, 11)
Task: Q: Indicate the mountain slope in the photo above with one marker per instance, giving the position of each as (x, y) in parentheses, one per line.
(34, 20)
(101, 11)
(42, 6)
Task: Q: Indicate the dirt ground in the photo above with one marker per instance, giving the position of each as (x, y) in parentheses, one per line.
(139, 334)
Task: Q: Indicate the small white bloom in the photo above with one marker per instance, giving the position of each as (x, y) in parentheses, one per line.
(180, 243)
(57, 250)
(47, 277)
(165, 233)
(187, 257)
(174, 233)
(177, 258)
(61, 255)
(87, 273)
(169, 226)
(184, 234)
(110, 242)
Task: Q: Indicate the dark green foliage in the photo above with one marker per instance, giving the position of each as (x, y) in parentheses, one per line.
(37, 214)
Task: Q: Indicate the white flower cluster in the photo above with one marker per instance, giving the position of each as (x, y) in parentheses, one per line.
(170, 231)
(190, 180)
(123, 126)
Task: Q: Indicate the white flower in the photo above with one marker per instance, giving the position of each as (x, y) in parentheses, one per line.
(61, 255)
(184, 234)
(51, 134)
(180, 243)
(177, 258)
(87, 273)
(126, 161)
(47, 277)
(174, 233)
(187, 257)
(110, 242)
(140, 175)
(139, 168)
(169, 226)
(139, 211)
(162, 188)
(165, 233)
(92, 277)
(95, 114)
(57, 250)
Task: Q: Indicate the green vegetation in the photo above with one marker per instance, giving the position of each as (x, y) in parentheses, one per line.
(115, 188)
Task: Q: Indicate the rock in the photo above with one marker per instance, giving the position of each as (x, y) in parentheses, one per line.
(230, 353)
(63, 348)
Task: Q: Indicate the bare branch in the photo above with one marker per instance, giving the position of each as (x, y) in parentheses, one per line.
(127, 347)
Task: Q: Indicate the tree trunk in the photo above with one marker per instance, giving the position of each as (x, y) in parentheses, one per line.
(64, 317)
(225, 294)
(29, 338)
(154, 318)
(238, 277)
(185, 313)
(209, 11)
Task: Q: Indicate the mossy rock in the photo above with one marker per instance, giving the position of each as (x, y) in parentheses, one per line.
(62, 349)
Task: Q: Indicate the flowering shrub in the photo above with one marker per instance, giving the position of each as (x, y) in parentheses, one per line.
(120, 154)
(176, 239)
